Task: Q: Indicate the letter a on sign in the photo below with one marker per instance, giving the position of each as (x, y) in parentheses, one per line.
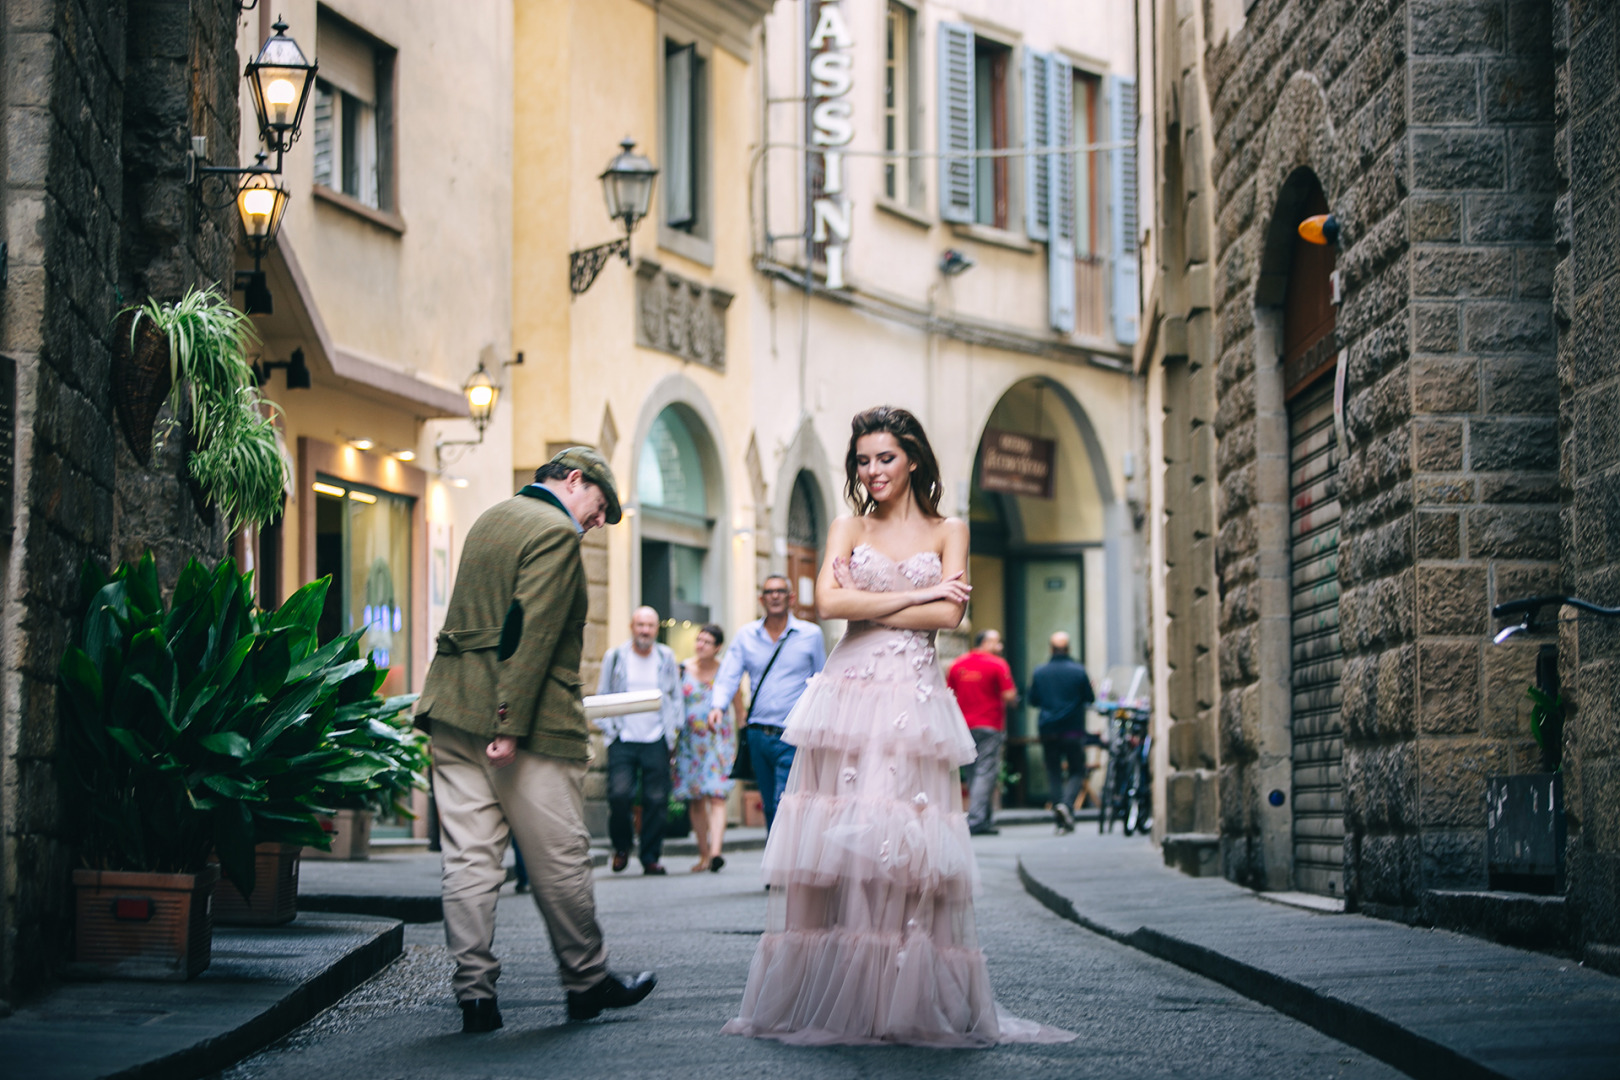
(831, 30)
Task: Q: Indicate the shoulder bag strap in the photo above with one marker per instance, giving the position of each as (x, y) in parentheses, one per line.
(754, 695)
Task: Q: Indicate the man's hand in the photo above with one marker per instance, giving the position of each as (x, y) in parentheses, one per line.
(502, 751)
(715, 716)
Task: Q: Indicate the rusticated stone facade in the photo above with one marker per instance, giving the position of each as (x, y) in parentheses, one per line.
(99, 105)
(1428, 125)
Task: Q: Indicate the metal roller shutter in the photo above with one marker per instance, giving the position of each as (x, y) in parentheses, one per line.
(1318, 655)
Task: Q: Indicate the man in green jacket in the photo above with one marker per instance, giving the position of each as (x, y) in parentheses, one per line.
(510, 742)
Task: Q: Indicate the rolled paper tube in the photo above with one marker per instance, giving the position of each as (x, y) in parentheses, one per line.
(598, 706)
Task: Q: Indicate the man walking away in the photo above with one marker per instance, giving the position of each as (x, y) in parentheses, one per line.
(639, 744)
(1061, 690)
(778, 653)
(510, 742)
(983, 685)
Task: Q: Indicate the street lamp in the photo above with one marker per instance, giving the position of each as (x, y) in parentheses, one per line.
(482, 393)
(260, 202)
(627, 187)
(280, 78)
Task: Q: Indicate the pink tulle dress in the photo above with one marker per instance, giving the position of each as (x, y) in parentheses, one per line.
(870, 935)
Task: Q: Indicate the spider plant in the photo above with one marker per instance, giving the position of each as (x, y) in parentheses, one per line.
(237, 460)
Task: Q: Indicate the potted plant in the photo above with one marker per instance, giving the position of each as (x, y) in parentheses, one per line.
(194, 352)
(199, 729)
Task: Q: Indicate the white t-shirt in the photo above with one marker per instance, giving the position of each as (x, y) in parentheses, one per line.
(641, 673)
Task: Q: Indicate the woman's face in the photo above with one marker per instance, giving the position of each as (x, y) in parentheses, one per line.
(882, 466)
(703, 647)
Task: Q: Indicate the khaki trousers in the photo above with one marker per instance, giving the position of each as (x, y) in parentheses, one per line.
(539, 801)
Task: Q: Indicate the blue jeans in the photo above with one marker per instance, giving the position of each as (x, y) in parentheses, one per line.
(773, 759)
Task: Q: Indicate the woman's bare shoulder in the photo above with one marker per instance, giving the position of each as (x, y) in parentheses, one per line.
(846, 526)
(951, 528)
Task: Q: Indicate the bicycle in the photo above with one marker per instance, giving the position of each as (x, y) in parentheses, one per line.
(1127, 795)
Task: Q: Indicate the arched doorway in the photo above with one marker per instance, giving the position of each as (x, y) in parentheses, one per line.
(1036, 560)
(679, 503)
(1309, 364)
(805, 532)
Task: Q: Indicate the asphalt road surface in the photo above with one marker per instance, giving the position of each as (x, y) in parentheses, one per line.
(1136, 1016)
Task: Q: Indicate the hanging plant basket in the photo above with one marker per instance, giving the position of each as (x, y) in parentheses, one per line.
(140, 379)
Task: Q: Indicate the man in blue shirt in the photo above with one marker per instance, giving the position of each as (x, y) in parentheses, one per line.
(799, 653)
(1061, 690)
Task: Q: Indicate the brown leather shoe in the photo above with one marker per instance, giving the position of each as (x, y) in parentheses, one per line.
(621, 859)
(654, 869)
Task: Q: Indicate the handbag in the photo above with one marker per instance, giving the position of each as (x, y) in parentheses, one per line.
(742, 767)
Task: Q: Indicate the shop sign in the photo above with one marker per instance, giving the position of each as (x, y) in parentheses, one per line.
(1016, 464)
(832, 126)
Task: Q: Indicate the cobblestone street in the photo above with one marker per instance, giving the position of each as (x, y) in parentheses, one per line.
(1136, 1016)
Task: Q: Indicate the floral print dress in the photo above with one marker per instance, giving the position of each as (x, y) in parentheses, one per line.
(703, 759)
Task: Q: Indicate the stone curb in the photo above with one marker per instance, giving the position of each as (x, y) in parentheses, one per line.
(298, 1007)
(1368, 1032)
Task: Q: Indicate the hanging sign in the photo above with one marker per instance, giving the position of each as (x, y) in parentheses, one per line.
(832, 126)
(1016, 464)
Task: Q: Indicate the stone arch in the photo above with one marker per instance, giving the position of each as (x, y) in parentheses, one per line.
(692, 405)
(805, 454)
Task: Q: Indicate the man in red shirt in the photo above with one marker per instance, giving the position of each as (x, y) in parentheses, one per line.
(983, 685)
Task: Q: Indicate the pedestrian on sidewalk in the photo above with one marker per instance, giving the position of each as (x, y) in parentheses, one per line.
(778, 653)
(705, 752)
(983, 685)
(1061, 690)
(640, 744)
(510, 741)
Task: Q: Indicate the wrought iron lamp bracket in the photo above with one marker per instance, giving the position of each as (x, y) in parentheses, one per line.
(586, 264)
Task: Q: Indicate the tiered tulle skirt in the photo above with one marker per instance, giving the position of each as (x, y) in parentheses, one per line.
(870, 935)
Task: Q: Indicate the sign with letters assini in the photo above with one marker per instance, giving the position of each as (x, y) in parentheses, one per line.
(832, 127)
(1016, 464)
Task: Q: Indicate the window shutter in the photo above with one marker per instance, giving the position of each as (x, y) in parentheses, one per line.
(1060, 195)
(679, 196)
(1123, 187)
(325, 163)
(956, 185)
(1038, 135)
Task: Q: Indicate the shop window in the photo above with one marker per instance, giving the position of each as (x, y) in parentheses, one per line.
(672, 493)
(900, 174)
(354, 114)
(363, 541)
(669, 475)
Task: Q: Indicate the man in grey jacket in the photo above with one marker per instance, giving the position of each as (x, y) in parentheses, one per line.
(640, 744)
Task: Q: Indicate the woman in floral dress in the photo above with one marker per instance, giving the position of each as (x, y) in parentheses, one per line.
(704, 753)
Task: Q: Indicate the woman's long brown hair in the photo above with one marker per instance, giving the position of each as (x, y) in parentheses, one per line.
(908, 432)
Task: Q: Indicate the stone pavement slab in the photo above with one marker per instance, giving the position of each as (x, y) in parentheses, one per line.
(263, 982)
(1430, 1002)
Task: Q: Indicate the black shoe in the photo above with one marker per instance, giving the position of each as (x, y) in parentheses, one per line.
(621, 859)
(654, 869)
(984, 830)
(479, 1016)
(1065, 817)
(611, 993)
(715, 864)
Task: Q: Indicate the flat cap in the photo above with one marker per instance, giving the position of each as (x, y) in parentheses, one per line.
(595, 469)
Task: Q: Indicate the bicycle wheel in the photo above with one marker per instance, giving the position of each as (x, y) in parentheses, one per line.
(1105, 804)
(1133, 814)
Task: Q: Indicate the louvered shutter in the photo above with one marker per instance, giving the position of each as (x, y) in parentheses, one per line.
(1038, 135)
(1060, 195)
(680, 196)
(1122, 184)
(955, 121)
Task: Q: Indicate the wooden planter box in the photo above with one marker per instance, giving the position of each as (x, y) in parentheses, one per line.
(350, 831)
(144, 926)
(275, 890)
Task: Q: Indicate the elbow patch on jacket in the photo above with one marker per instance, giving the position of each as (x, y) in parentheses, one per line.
(511, 632)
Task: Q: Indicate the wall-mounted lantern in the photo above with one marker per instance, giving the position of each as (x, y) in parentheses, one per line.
(260, 202)
(280, 79)
(483, 393)
(627, 188)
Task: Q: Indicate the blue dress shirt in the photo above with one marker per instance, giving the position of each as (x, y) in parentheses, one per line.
(803, 655)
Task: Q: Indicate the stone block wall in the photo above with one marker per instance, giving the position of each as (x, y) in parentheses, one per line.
(1587, 310)
(72, 195)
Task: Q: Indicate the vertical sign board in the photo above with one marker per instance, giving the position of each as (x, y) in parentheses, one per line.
(1017, 464)
(832, 126)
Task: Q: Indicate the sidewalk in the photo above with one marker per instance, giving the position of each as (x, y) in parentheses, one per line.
(262, 983)
(406, 887)
(1429, 1002)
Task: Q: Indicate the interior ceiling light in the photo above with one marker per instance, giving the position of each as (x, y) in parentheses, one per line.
(328, 489)
(363, 497)
(361, 444)
(405, 455)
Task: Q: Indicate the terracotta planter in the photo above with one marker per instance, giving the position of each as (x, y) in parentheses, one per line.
(275, 890)
(350, 831)
(753, 809)
(144, 926)
(140, 381)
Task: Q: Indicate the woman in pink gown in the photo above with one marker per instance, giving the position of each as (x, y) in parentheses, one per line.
(870, 935)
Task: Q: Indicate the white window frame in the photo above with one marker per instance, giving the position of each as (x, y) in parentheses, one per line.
(910, 188)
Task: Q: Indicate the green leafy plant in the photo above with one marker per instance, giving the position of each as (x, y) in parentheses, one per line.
(204, 726)
(1547, 726)
(236, 459)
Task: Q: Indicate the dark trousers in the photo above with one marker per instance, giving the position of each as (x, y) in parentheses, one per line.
(773, 760)
(650, 762)
(986, 772)
(1057, 747)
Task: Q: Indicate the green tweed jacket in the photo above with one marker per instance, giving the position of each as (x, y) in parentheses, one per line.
(508, 655)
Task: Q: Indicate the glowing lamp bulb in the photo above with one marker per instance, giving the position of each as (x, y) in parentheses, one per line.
(280, 95)
(258, 204)
(479, 397)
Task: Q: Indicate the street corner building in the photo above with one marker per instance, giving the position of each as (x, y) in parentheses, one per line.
(1359, 447)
